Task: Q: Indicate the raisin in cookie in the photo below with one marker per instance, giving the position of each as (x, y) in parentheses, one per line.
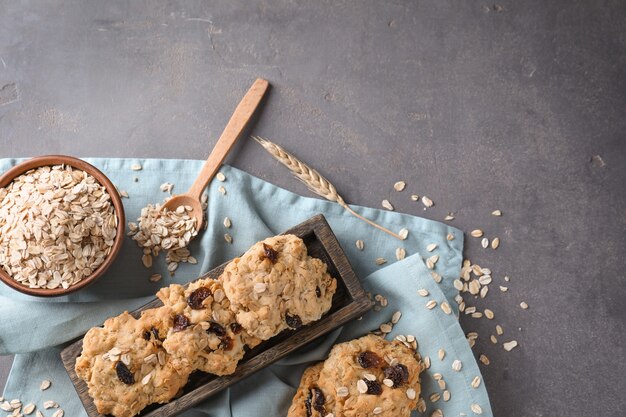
(206, 337)
(309, 400)
(125, 366)
(275, 285)
(363, 377)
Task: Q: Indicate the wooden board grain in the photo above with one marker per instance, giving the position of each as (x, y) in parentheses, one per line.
(349, 302)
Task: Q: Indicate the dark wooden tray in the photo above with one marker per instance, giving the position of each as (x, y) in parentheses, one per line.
(349, 302)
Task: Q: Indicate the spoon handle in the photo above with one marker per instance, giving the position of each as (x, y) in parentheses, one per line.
(237, 123)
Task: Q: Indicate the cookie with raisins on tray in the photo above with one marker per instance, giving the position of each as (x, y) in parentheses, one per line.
(205, 335)
(276, 285)
(125, 366)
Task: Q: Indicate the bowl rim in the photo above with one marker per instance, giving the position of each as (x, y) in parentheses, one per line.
(49, 160)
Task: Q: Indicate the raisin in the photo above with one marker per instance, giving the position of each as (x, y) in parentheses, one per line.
(227, 343)
(146, 335)
(307, 405)
(270, 253)
(318, 292)
(369, 359)
(197, 297)
(235, 327)
(124, 374)
(293, 321)
(373, 387)
(399, 374)
(155, 332)
(318, 400)
(216, 328)
(181, 322)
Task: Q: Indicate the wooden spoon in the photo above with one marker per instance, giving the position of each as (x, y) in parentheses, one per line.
(237, 123)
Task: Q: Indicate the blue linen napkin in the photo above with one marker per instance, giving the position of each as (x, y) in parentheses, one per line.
(35, 328)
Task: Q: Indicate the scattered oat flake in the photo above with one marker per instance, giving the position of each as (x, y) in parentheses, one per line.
(58, 413)
(136, 167)
(39, 413)
(423, 292)
(523, 305)
(396, 317)
(359, 244)
(495, 243)
(155, 277)
(503, 289)
(508, 346)
(499, 329)
(45, 384)
(6, 406)
(385, 328)
(380, 261)
(431, 247)
(434, 397)
(228, 238)
(124, 194)
(403, 233)
(427, 201)
(484, 359)
(493, 339)
(50, 404)
(166, 187)
(431, 304)
(450, 236)
(477, 233)
(446, 308)
(222, 190)
(446, 395)
(484, 243)
(227, 223)
(489, 314)
(28, 409)
(441, 353)
(449, 217)
(496, 213)
(221, 177)
(476, 382)
(458, 284)
(476, 408)
(400, 253)
(386, 204)
(457, 365)
(506, 278)
(415, 197)
(399, 186)
(437, 413)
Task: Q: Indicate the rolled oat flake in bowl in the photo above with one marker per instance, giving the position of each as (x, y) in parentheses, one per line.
(57, 226)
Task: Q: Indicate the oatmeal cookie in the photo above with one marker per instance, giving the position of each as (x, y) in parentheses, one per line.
(125, 366)
(210, 340)
(275, 285)
(361, 376)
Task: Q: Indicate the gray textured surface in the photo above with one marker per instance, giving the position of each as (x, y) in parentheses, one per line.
(519, 106)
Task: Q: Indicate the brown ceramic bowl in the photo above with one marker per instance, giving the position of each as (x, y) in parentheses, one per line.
(40, 161)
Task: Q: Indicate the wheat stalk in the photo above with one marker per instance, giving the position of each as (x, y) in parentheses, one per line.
(313, 180)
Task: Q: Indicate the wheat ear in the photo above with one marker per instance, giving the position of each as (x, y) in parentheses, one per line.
(313, 179)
